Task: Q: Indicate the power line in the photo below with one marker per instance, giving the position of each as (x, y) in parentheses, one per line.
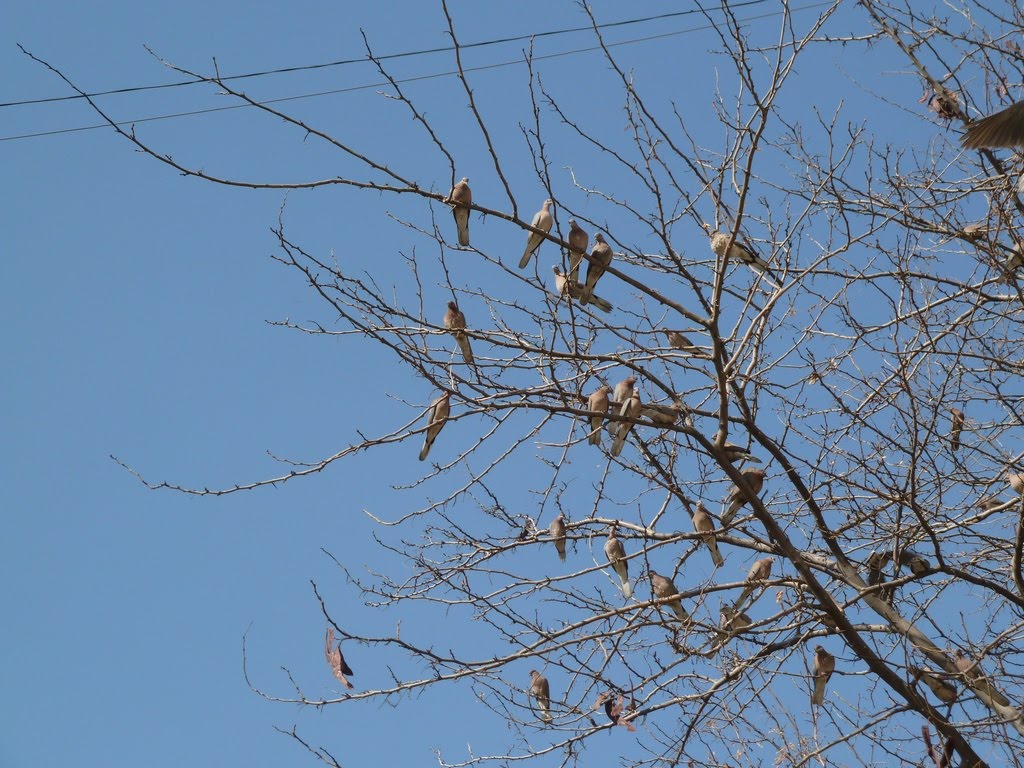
(417, 78)
(385, 57)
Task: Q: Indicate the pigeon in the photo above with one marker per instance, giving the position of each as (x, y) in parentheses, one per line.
(976, 679)
(945, 692)
(662, 587)
(455, 321)
(336, 659)
(617, 557)
(578, 242)
(824, 666)
(439, 411)
(601, 259)
(624, 390)
(557, 530)
(738, 252)
(956, 425)
(759, 572)
(737, 498)
(598, 404)
(1016, 481)
(736, 453)
(541, 220)
(677, 340)
(1003, 129)
(730, 622)
(917, 564)
(566, 287)
(460, 199)
(541, 691)
(631, 410)
(703, 524)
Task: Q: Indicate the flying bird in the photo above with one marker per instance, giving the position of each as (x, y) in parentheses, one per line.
(598, 405)
(557, 531)
(737, 498)
(630, 410)
(662, 587)
(758, 573)
(956, 425)
(439, 411)
(616, 555)
(972, 673)
(336, 659)
(1003, 129)
(739, 252)
(455, 321)
(460, 198)
(824, 666)
(569, 289)
(578, 242)
(601, 259)
(541, 220)
(703, 524)
(541, 691)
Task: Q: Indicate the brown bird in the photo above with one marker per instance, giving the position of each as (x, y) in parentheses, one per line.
(956, 426)
(703, 523)
(736, 453)
(824, 666)
(971, 670)
(730, 622)
(336, 660)
(915, 562)
(616, 555)
(541, 691)
(601, 259)
(557, 530)
(578, 242)
(598, 404)
(631, 410)
(439, 411)
(460, 198)
(758, 573)
(740, 252)
(987, 503)
(566, 287)
(455, 321)
(1003, 129)
(737, 498)
(943, 691)
(542, 220)
(1016, 481)
(662, 587)
(624, 390)
(676, 340)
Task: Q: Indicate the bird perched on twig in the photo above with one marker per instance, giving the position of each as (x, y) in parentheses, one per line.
(542, 220)
(739, 252)
(1002, 129)
(945, 692)
(971, 670)
(557, 531)
(541, 691)
(597, 403)
(336, 659)
(738, 498)
(455, 321)
(439, 411)
(578, 241)
(600, 260)
(616, 555)
(630, 410)
(662, 587)
(566, 287)
(703, 524)
(460, 198)
(824, 666)
(757, 575)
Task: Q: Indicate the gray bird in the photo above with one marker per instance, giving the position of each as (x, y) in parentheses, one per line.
(739, 252)
(624, 390)
(956, 425)
(455, 321)
(662, 587)
(566, 287)
(597, 403)
(757, 575)
(542, 220)
(1002, 129)
(578, 241)
(601, 259)
(630, 410)
(824, 666)
(737, 498)
(541, 692)
(703, 524)
(944, 692)
(336, 659)
(616, 555)
(736, 453)
(972, 673)
(460, 198)
(915, 562)
(557, 531)
(439, 411)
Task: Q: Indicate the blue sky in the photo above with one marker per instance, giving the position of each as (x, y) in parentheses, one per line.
(137, 306)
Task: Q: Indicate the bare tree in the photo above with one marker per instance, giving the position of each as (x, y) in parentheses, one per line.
(816, 336)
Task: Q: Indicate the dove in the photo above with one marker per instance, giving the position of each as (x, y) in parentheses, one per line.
(987, 503)
(917, 564)
(598, 404)
(1016, 481)
(738, 252)
(601, 259)
(439, 411)
(759, 572)
(662, 587)
(976, 679)
(578, 242)
(1003, 129)
(336, 659)
(735, 453)
(956, 425)
(455, 321)
(945, 692)
(730, 622)
(755, 477)
(569, 289)
(541, 691)
(617, 557)
(541, 220)
(460, 199)
(663, 415)
(676, 340)
(631, 410)
(623, 390)
(703, 524)
(876, 561)
(824, 666)
(557, 530)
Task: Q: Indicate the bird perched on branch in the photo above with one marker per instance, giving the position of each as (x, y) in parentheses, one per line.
(566, 287)
(541, 691)
(336, 659)
(557, 531)
(597, 403)
(945, 692)
(739, 252)
(630, 410)
(616, 555)
(971, 670)
(738, 498)
(758, 574)
(439, 411)
(703, 524)
(460, 198)
(1002, 129)
(542, 220)
(662, 587)
(578, 241)
(824, 666)
(455, 321)
(601, 259)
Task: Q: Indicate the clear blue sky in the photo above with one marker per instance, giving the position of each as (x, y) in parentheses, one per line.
(136, 307)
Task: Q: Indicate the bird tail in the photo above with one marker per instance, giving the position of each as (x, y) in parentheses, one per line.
(617, 444)
(627, 589)
(531, 246)
(597, 301)
(426, 448)
(467, 350)
(595, 435)
(462, 223)
(716, 555)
